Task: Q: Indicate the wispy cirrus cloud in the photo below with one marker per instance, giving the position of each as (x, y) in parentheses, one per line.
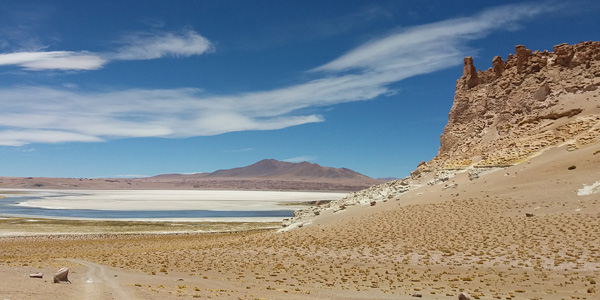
(423, 43)
(53, 60)
(144, 45)
(51, 115)
(139, 46)
(26, 136)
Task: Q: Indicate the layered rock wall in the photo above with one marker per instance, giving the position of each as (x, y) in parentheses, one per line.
(497, 114)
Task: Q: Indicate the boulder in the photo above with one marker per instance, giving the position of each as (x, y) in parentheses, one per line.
(589, 88)
(62, 275)
(542, 93)
(464, 296)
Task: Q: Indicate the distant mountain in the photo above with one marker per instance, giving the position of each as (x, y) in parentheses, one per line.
(271, 168)
(268, 174)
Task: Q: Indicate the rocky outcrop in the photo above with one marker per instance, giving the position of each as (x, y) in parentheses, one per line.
(503, 115)
(469, 72)
(515, 109)
(380, 192)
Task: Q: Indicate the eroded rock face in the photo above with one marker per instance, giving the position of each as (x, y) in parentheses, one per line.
(489, 117)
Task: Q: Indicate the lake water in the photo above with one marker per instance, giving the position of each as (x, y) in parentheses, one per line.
(158, 205)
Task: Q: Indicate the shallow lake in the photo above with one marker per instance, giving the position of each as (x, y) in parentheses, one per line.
(180, 205)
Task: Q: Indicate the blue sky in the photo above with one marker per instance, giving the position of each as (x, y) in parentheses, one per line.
(121, 88)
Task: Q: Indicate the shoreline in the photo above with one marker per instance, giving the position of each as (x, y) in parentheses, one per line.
(208, 207)
(145, 200)
(39, 227)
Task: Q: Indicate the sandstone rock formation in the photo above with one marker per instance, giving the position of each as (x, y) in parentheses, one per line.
(502, 116)
(511, 111)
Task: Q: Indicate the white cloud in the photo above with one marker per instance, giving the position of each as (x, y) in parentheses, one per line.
(301, 159)
(422, 43)
(141, 46)
(23, 137)
(49, 115)
(57, 60)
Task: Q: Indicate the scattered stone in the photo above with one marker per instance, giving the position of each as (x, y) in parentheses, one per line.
(529, 215)
(572, 167)
(473, 175)
(36, 275)
(572, 89)
(464, 296)
(589, 88)
(62, 275)
(373, 203)
(451, 186)
(417, 295)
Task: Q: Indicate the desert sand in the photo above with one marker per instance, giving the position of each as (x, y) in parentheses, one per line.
(432, 241)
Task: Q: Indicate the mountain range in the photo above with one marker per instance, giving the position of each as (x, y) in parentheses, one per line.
(267, 174)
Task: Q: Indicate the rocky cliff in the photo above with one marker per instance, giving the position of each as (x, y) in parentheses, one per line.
(502, 116)
(521, 106)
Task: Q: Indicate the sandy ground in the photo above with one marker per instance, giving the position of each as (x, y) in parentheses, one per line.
(432, 241)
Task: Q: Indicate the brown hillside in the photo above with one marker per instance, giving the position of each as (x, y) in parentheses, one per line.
(277, 169)
(268, 174)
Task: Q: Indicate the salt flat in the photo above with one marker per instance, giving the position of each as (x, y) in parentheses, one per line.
(153, 200)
